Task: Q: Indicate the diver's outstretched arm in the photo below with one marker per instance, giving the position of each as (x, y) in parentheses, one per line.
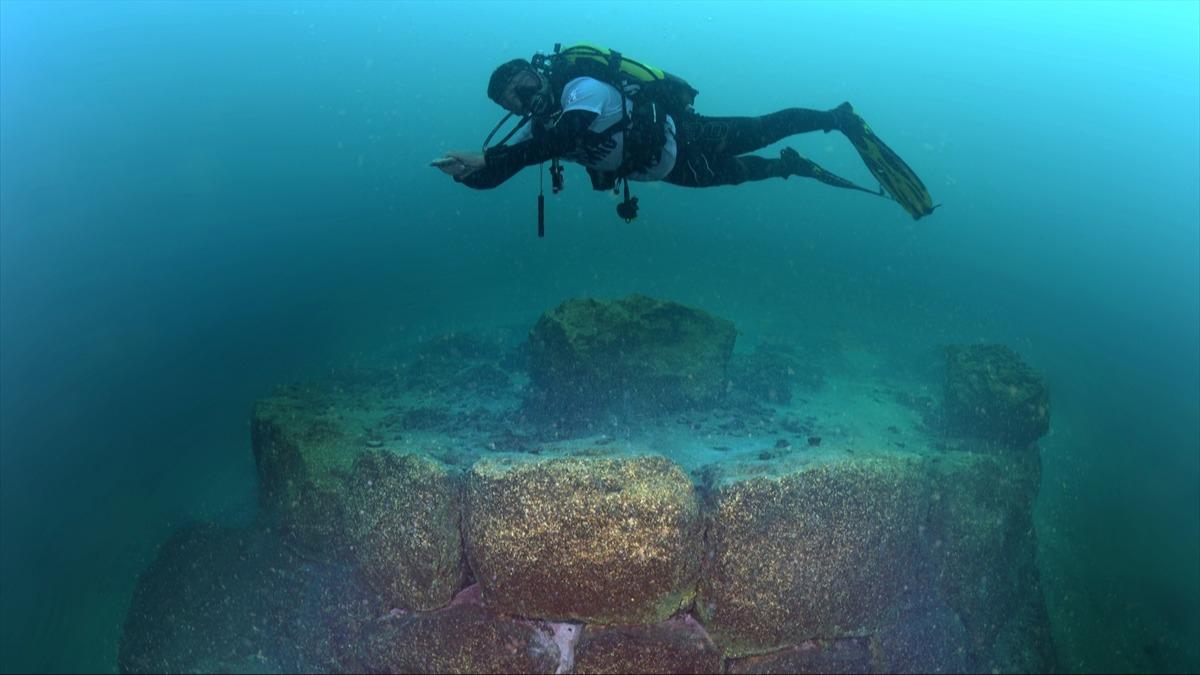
(546, 142)
(459, 164)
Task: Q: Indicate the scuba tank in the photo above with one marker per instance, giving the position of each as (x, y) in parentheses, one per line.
(641, 81)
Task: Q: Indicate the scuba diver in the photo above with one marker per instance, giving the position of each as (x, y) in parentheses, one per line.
(624, 120)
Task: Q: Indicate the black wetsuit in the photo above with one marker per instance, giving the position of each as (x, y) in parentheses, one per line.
(711, 150)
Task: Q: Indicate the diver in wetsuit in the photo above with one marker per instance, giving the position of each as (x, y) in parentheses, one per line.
(588, 121)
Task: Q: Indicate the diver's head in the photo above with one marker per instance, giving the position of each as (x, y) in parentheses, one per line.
(520, 89)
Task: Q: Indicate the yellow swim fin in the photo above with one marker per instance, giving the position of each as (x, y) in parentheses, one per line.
(900, 181)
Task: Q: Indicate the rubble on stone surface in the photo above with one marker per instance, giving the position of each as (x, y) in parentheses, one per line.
(739, 528)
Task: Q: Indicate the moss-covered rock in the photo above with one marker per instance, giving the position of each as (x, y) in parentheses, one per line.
(462, 638)
(983, 546)
(395, 515)
(594, 539)
(679, 645)
(990, 393)
(586, 356)
(302, 449)
(810, 546)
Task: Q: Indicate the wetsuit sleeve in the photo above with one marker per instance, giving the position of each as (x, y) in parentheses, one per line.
(504, 161)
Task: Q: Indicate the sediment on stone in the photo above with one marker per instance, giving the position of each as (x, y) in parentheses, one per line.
(820, 547)
(592, 539)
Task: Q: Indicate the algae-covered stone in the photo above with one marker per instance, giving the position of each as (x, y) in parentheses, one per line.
(588, 355)
(809, 547)
(679, 645)
(462, 638)
(303, 450)
(984, 545)
(595, 539)
(990, 393)
(395, 515)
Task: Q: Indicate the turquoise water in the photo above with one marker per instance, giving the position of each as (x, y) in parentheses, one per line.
(199, 201)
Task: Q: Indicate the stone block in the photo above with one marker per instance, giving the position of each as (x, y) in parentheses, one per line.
(592, 539)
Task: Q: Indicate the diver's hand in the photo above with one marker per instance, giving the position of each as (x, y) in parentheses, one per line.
(459, 164)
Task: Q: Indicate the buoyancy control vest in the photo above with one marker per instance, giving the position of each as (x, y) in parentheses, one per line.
(654, 94)
(640, 81)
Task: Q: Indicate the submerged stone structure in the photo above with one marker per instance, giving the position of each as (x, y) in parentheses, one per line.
(417, 518)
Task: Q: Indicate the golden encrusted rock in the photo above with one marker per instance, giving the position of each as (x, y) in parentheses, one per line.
(816, 547)
(403, 513)
(593, 539)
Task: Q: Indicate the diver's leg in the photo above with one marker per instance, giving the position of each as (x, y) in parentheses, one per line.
(702, 170)
(713, 151)
(732, 136)
(699, 170)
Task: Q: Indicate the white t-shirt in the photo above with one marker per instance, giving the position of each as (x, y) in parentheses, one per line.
(592, 95)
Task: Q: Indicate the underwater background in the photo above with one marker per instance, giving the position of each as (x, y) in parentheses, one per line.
(202, 200)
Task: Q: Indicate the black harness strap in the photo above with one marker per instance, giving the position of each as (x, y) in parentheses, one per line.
(628, 208)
